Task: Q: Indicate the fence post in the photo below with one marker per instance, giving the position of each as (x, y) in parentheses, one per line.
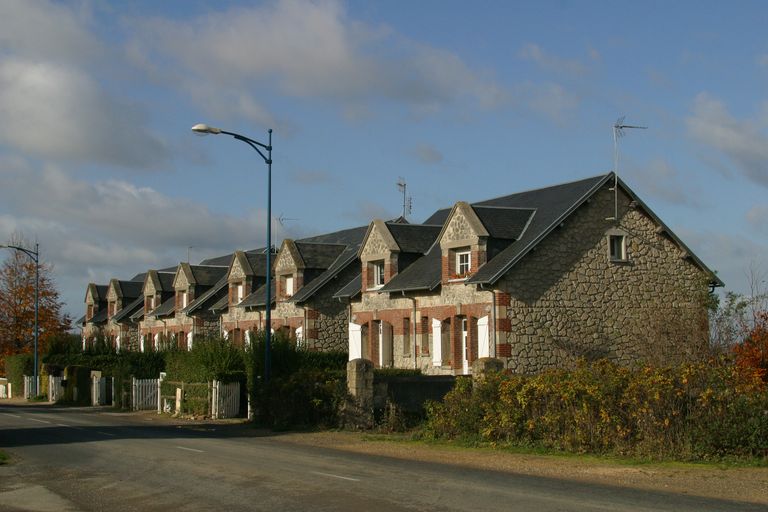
(133, 393)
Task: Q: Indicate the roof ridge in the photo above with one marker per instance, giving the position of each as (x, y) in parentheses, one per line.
(598, 176)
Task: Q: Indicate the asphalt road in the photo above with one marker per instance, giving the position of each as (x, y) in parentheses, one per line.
(83, 459)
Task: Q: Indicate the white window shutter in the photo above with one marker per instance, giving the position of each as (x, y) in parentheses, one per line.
(483, 338)
(355, 341)
(437, 342)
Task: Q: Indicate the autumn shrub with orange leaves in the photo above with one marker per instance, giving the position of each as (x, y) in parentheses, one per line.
(752, 353)
(686, 412)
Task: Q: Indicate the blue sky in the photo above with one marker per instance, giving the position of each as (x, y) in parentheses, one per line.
(97, 160)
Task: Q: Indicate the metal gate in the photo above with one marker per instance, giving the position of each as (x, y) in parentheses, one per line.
(225, 400)
(55, 389)
(102, 389)
(144, 394)
(31, 388)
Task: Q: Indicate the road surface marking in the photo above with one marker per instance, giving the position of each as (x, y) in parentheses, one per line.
(39, 421)
(12, 415)
(336, 476)
(190, 449)
(62, 425)
(105, 433)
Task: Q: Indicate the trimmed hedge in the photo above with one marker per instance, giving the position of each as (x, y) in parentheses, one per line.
(16, 367)
(687, 412)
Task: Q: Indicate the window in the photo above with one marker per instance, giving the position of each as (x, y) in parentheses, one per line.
(89, 314)
(240, 291)
(378, 273)
(184, 299)
(406, 336)
(288, 286)
(617, 246)
(110, 309)
(463, 263)
(425, 335)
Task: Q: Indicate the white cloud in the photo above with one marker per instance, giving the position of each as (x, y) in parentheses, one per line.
(730, 255)
(427, 154)
(46, 30)
(60, 113)
(96, 231)
(661, 180)
(549, 62)
(306, 50)
(548, 99)
(741, 142)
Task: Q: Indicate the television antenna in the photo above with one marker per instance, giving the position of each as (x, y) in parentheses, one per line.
(618, 132)
(402, 186)
(282, 219)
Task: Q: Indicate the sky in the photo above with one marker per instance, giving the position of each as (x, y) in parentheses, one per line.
(99, 165)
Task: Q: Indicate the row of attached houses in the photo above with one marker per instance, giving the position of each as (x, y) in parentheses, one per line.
(537, 279)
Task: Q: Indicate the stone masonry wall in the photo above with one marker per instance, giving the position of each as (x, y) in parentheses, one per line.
(568, 300)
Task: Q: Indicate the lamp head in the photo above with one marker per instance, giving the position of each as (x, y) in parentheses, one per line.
(204, 129)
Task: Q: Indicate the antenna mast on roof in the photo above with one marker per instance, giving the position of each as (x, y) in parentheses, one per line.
(618, 132)
(407, 200)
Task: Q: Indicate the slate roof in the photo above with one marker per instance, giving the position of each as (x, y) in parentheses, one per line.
(414, 238)
(101, 291)
(319, 255)
(346, 258)
(220, 305)
(100, 317)
(207, 275)
(129, 310)
(351, 289)
(80, 321)
(130, 289)
(166, 280)
(422, 274)
(345, 237)
(504, 223)
(138, 315)
(208, 297)
(258, 263)
(258, 298)
(165, 309)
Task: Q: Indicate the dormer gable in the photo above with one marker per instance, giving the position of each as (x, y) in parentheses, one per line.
(378, 256)
(239, 278)
(95, 299)
(114, 298)
(289, 270)
(463, 243)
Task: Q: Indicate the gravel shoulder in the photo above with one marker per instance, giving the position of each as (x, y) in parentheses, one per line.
(747, 484)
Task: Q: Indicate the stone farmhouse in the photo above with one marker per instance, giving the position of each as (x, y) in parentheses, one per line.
(536, 279)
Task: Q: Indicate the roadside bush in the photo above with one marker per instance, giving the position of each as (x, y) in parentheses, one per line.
(16, 367)
(690, 412)
(305, 388)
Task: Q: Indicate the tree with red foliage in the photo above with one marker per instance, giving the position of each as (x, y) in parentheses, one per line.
(752, 353)
(17, 304)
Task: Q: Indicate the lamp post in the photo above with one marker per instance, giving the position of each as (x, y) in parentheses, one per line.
(204, 129)
(35, 255)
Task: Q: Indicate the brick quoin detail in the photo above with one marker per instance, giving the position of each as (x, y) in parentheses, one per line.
(503, 299)
(504, 325)
(504, 350)
(313, 314)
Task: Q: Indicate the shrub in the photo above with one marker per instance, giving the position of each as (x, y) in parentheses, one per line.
(16, 367)
(691, 411)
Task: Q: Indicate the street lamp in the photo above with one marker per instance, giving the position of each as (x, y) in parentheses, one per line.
(204, 129)
(35, 255)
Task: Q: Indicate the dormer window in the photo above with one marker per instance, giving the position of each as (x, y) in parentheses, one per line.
(110, 309)
(378, 273)
(149, 303)
(463, 263)
(288, 286)
(182, 299)
(240, 293)
(89, 313)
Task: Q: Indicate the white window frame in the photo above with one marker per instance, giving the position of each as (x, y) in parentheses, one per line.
(459, 264)
(289, 286)
(622, 256)
(184, 298)
(378, 273)
(239, 292)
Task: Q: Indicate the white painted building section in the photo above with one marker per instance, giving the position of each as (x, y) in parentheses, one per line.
(355, 341)
(437, 342)
(483, 338)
